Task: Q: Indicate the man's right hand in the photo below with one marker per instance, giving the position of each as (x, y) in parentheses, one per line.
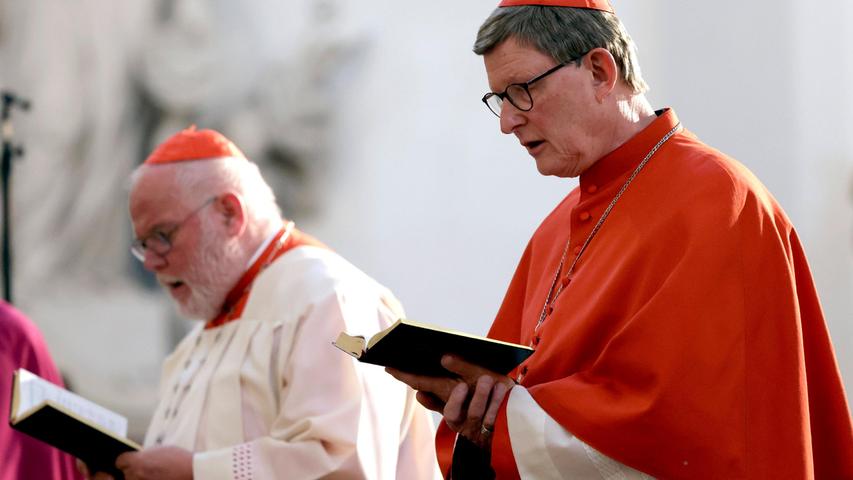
(84, 470)
(469, 402)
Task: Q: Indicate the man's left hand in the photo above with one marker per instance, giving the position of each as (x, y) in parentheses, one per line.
(163, 463)
(469, 402)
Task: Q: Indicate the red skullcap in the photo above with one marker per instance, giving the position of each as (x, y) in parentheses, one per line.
(603, 5)
(192, 144)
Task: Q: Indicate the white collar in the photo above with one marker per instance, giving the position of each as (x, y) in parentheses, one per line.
(266, 243)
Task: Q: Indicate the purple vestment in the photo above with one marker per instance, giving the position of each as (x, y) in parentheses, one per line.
(23, 457)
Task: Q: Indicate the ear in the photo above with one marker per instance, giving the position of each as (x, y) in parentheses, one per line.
(604, 71)
(233, 210)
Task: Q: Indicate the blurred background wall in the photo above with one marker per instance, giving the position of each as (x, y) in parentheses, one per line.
(366, 118)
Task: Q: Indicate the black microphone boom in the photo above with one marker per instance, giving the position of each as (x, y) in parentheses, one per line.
(10, 151)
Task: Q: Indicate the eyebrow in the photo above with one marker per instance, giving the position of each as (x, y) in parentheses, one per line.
(161, 227)
(517, 80)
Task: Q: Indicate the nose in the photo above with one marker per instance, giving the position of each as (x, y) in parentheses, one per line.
(511, 118)
(154, 261)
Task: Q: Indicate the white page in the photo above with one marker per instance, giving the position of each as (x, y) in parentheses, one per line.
(35, 390)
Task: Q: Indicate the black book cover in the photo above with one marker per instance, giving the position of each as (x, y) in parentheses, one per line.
(97, 448)
(417, 348)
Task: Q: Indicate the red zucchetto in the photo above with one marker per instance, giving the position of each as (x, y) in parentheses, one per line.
(603, 5)
(192, 144)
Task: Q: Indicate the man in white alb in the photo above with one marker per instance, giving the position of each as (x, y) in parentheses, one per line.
(257, 390)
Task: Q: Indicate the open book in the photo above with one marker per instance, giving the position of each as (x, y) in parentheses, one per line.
(417, 348)
(69, 422)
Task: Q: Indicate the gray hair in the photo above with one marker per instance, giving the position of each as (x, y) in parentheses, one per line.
(565, 34)
(196, 180)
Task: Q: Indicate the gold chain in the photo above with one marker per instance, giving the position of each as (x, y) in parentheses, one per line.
(550, 301)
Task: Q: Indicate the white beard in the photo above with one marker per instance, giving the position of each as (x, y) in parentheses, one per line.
(215, 269)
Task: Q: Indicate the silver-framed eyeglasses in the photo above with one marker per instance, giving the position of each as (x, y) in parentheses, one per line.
(160, 240)
(518, 94)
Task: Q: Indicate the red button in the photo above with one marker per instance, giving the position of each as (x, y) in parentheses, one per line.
(584, 216)
(591, 189)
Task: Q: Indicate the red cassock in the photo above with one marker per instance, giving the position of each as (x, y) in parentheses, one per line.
(23, 457)
(690, 342)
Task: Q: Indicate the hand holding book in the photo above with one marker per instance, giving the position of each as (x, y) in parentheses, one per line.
(69, 422)
(470, 403)
(459, 375)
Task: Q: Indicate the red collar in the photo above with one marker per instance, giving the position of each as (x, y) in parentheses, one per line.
(285, 240)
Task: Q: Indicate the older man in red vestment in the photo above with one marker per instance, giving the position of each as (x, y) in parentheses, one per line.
(676, 327)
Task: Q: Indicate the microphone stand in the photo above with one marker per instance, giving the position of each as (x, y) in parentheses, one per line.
(10, 151)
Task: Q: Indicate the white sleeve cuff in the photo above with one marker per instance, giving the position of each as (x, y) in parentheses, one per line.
(543, 449)
(234, 463)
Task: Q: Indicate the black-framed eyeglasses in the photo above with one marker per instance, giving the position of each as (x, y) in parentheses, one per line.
(518, 94)
(160, 240)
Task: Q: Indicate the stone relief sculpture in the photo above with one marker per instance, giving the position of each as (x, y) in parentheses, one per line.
(109, 80)
(73, 63)
(262, 74)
